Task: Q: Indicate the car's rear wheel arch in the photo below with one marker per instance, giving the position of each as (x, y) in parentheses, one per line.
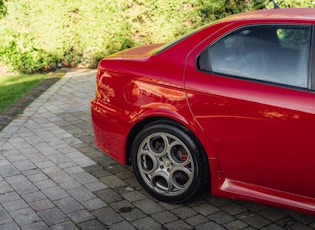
(148, 121)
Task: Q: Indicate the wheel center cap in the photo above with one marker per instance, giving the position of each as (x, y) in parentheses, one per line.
(167, 163)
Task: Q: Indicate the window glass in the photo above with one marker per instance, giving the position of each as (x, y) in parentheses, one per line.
(274, 53)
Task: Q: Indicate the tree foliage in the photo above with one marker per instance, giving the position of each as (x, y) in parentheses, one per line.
(36, 35)
(3, 9)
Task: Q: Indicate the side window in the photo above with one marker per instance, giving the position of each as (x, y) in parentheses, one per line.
(276, 53)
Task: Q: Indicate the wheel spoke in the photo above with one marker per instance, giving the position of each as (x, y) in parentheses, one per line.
(165, 164)
(179, 154)
(181, 177)
(147, 162)
(157, 144)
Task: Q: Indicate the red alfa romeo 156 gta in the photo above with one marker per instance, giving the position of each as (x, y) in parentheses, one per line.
(230, 106)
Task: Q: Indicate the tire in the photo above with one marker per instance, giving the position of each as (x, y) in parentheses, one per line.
(168, 163)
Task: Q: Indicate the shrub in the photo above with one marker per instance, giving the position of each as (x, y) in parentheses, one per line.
(35, 35)
(18, 53)
(295, 3)
(3, 9)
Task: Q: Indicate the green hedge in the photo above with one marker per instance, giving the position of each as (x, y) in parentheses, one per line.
(36, 35)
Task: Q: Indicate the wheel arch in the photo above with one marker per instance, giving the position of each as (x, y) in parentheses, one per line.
(192, 129)
(150, 120)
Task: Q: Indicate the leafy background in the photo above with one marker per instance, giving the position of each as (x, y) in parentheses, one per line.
(40, 35)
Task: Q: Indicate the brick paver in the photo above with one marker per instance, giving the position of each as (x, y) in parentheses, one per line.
(53, 177)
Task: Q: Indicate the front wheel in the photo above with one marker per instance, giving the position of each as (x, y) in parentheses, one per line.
(168, 163)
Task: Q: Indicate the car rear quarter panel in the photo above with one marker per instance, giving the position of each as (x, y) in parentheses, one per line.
(131, 90)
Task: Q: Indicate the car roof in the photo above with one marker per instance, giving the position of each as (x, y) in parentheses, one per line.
(278, 14)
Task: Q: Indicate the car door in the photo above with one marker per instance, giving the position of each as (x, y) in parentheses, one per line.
(251, 93)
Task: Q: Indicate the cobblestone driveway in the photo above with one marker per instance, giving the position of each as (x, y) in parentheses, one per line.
(53, 177)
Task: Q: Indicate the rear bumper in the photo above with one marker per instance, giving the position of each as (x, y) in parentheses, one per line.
(110, 130)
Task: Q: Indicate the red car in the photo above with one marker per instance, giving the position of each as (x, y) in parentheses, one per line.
(230, 106)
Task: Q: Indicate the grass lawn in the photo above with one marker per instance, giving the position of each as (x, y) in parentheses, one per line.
(14, 87)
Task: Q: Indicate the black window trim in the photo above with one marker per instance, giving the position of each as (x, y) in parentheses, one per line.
(311, 67)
